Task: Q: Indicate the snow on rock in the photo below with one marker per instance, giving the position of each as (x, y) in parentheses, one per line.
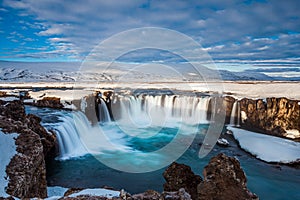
(293, 134)
(9, 98)
(97, 192)
(266, 147)
(55, 192)
(8, 150)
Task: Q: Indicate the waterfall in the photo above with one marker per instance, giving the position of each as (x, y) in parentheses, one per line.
(148, 110)
(103, 113)
(235, 114)
(77, 137)
(68, 138)
(238, 115)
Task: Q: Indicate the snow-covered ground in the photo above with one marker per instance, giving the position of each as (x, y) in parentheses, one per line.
(7, 145)
(266, 147)
(97, 192)
(57, 192)
(236, 89)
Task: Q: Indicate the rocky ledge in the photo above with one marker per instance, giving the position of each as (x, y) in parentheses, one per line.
(26, 171)
(49, 102)
(273, 116)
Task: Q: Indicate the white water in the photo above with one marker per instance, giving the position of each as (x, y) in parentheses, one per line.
(163, 110)
(235, 114)
(238, 115)
(70, 144)
(141, 116)
(103, 112)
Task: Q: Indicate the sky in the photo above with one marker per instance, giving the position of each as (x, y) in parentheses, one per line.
(262, 32)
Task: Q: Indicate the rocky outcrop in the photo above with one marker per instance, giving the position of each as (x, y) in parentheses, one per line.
(26, 170)
(181, 194)
(49, 102)
(181, 176)
(272, 116)
(224, 179)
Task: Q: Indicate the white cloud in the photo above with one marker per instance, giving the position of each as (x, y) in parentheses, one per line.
(228, 29)
(51, 31)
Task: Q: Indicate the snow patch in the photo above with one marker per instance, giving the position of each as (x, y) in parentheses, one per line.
(9, 98)
(8, 150)
(266, 147)
(56, 191)
(97, 192)
(243, 116)
(292, 133)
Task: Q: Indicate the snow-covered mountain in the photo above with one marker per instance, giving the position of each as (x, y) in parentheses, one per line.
(70, 72)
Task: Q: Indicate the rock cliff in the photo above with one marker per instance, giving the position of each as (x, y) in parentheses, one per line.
(26, 170)
(274, 116)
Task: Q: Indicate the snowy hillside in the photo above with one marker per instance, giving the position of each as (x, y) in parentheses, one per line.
(133, 72)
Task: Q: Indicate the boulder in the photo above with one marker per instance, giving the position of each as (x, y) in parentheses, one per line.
(179, 176)
(50, 102)
(224, 179)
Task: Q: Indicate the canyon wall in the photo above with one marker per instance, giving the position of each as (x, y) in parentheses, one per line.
(26, 171)
(273, 116)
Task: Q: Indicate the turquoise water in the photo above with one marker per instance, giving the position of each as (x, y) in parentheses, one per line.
(268, 181)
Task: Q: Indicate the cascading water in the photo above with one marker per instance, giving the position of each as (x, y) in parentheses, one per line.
(103, 113)
(147, 110)
(70, 144)
(238, 115)
(77, 137)
(235, 114)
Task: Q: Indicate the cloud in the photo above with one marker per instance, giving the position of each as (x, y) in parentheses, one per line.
(54, 30)
(227, 29)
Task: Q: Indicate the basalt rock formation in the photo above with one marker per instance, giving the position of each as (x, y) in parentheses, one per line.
(26, 170)
(224, 179)
(274, 116)
(49, 102)
(181, 176)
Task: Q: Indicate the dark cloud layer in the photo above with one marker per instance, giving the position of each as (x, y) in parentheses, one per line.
(230, 30)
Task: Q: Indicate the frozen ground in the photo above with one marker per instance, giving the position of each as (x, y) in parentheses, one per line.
(7, 145)
(266, 147)
(55, 193)
(254, 83)
(236, 89)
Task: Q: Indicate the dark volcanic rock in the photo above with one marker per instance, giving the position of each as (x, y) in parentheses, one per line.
(224, 179)
(181, 194)
(273, 116)
(148, 195)
(181, 176)
(26, 170)
(50, 102)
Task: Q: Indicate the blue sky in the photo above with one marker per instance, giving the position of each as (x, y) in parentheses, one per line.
(232, 31)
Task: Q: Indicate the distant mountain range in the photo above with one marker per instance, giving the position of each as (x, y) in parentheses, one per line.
(69, 72)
